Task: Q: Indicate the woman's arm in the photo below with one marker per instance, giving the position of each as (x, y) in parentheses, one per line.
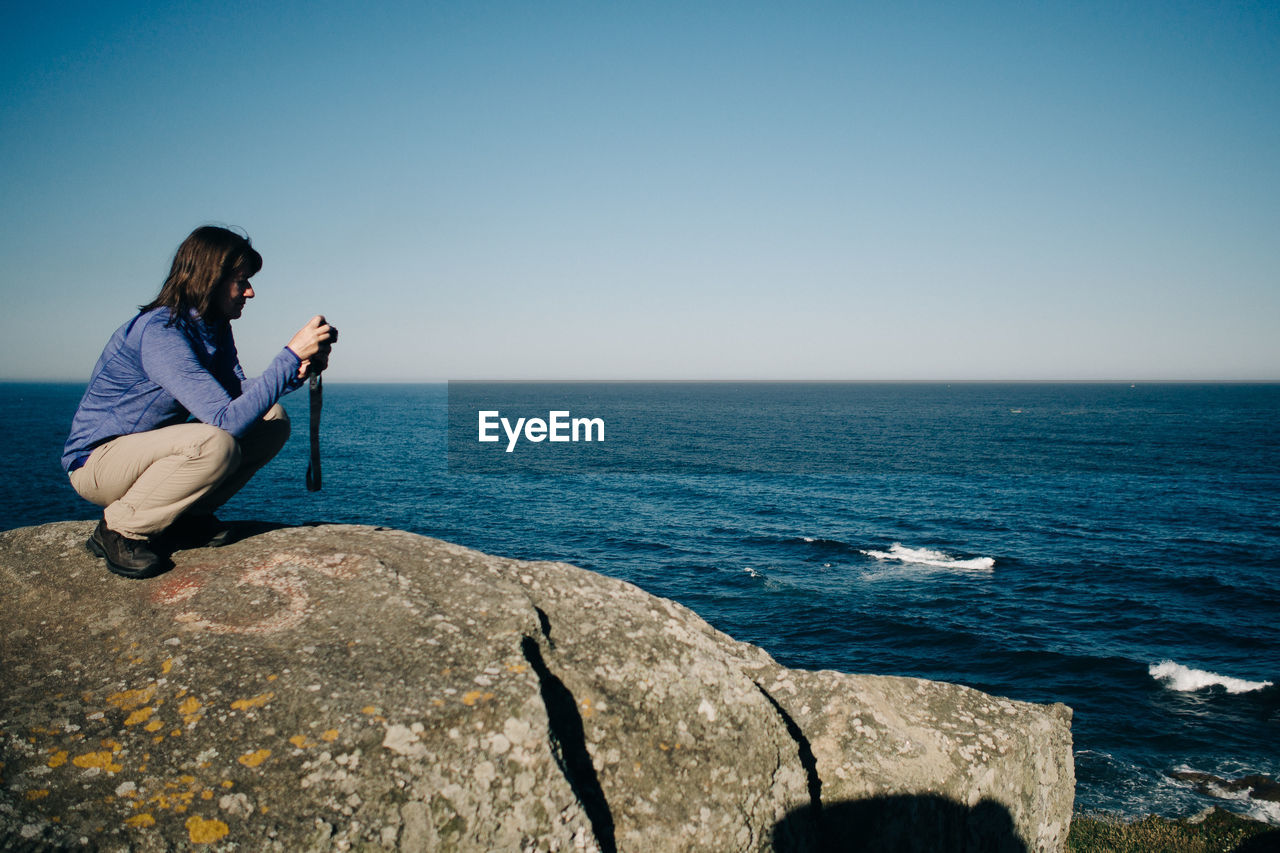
(169, 359)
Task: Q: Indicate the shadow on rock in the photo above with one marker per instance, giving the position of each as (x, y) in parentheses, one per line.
(238, 531)
(902, 824)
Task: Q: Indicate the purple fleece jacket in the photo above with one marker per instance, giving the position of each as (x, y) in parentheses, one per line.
(155, 374)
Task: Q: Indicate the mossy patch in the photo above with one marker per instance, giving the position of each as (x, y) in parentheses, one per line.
(1217, 831)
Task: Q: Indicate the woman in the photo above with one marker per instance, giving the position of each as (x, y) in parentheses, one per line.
(169, 427)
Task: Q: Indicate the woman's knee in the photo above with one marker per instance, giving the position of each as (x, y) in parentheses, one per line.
(276, 427)
(216, 447)
(267, 437)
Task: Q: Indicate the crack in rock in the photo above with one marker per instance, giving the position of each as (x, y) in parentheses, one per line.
(569, 743)
(807, 759)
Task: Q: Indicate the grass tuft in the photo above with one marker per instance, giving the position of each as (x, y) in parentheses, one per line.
(1216, 831)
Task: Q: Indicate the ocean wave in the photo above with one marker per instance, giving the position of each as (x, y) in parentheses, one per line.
(1175, 676)
(926, 557)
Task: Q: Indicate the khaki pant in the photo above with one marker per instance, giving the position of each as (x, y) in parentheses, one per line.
(148, 479)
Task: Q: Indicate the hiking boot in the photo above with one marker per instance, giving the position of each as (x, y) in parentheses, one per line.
(129, 558)
(197, 531)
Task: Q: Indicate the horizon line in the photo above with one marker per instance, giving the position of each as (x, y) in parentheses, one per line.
(704, 381)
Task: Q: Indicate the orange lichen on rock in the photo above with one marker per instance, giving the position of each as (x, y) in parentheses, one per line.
(205, 831)
(253, 759)
(131, 700)
(255, 702)
(139, 716)
(58, 758)
(103, 760)
(141, 820)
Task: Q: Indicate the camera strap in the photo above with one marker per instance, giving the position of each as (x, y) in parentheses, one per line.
(317, 400)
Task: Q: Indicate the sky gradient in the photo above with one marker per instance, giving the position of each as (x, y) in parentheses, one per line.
(684, 190)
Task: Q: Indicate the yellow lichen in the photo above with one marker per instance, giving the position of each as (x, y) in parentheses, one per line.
(253, 759)
(227, 783)
(102, 760)
(141, 820)
(329, 736)
(58, 758)
(255, 702)
(474, 696)
(113, 745)
(167, 666)
(154, 725)
(139, 716)
(37, 794)
(368, 709)
(206, 794)
(205, 831)
(130, 700)
(300, 741)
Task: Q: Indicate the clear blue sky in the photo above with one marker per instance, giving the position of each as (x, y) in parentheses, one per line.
(685, 190)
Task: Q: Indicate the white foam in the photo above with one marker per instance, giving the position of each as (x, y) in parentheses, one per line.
(752, 572)
(1175, 676)
(926, 557)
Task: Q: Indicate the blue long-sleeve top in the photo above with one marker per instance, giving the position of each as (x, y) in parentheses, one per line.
(154, 374)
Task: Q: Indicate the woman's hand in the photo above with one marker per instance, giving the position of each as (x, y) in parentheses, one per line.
(312, 344)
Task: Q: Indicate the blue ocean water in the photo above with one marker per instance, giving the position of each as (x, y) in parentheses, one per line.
(1112, 547)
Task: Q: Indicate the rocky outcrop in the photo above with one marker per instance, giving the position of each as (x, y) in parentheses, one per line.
(342, 687)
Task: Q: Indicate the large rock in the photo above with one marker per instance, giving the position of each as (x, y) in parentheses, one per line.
(340, 687)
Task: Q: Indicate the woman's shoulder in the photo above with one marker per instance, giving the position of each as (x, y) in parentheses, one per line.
(159, 326)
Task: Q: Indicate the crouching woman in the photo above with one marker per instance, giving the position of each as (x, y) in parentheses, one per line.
(169, 427)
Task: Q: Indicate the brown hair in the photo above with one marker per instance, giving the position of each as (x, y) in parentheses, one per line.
(208, 257)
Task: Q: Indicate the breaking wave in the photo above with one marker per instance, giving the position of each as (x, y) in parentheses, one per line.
(1175, 676)
(927, 557)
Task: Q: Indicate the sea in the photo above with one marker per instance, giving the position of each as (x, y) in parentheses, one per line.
(1112, 546)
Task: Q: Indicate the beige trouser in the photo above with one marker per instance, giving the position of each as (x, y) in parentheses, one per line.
(148, 479)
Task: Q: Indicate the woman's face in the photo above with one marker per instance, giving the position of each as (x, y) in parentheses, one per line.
(232, 295)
